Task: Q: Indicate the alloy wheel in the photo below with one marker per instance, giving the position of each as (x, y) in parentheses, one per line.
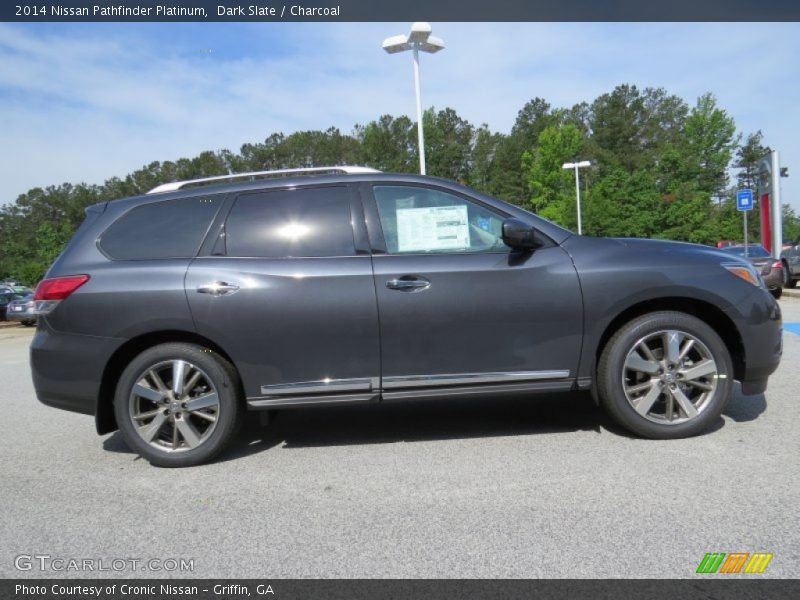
(174, 406)
(669, 377)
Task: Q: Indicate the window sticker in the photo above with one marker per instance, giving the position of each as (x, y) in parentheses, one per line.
(433, 228)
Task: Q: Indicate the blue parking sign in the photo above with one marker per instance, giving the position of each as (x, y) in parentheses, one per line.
(744, 200)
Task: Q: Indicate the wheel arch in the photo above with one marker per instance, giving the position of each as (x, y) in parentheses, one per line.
(105, 421)
(707, 312)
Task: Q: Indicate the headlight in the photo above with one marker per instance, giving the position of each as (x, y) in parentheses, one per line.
(746, 272)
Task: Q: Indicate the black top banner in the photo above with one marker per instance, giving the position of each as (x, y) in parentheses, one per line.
(402, 10)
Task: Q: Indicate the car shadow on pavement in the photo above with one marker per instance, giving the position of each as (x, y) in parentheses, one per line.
(430, 420)
(419, 421)
(412, 421)
(745, 408)
(115, 443)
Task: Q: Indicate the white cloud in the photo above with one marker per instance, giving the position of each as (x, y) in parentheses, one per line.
(86, 104)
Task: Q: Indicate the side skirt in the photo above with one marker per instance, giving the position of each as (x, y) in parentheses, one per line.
(260, 403)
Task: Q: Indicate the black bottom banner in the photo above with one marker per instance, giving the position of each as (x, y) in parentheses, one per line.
(357, 589)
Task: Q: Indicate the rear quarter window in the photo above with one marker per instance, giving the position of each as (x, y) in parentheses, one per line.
(293, 223)
(168, 229)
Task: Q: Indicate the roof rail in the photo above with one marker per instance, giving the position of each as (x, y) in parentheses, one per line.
(176, 185)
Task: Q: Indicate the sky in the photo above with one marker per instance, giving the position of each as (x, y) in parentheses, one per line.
(85, 102)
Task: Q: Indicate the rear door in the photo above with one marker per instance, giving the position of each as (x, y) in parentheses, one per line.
(286, 289)
(457, 307)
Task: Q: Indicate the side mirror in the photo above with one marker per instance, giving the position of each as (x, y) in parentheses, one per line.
(518, 235)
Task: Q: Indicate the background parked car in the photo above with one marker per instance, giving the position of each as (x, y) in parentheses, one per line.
(771, 268)
(22, 309)
(16, 288)
(790, 258)
(6, 296)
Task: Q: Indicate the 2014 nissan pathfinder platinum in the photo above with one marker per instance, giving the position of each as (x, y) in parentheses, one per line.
(170, 316)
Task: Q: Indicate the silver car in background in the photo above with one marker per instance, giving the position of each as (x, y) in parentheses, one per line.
(22, 310)
(771, 268)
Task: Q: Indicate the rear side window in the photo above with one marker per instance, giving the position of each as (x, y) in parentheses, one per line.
(169, 229)
(291, 223)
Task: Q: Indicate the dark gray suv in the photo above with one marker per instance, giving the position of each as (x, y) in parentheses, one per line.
(172, 315)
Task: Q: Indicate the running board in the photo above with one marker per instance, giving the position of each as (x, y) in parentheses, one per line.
(317, 400)
(476, 391)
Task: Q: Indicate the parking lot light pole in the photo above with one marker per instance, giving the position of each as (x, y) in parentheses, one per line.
(418, 39)
(576, 166)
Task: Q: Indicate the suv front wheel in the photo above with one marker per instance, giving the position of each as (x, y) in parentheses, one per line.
(665, 375)
(177, 404)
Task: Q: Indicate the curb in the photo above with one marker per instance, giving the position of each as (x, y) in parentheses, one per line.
(791, 293)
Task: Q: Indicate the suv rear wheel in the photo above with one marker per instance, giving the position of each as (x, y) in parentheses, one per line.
(177, 404)
(665, 375)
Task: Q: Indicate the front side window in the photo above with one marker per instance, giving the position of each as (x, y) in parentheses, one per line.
(296, 223)
(425, 220)
(169, 229)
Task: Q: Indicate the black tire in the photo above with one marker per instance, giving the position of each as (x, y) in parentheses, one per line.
(29, 323)
(611, 377)
(221, 375)
(787, 277)
(776, 292)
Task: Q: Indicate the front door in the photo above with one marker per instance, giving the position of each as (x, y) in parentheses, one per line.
(289, 296)
(457, 307)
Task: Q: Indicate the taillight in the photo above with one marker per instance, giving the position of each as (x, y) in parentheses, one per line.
(50, 292)
(777, 265)
(58, 288)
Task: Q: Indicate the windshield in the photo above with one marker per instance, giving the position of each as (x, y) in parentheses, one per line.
(752, 251)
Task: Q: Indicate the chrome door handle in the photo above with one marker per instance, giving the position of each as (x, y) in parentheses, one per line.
(217, 288)
(408, 284)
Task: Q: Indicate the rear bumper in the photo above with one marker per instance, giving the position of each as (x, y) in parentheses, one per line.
(758, 319)
(26, 315)
(67, 369)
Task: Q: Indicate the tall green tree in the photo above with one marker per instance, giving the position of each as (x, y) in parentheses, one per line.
(506, 179)
(748, 155)
(791, 225)
(660, 169)
(484, 151)
(552, 191)
(623, 204)
(710, 140)
(693, 173)
(629, 128)
(448, 144)
(389, 144)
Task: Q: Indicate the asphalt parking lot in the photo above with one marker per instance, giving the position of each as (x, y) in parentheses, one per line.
(541, 487)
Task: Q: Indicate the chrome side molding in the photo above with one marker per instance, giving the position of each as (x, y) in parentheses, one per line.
(374, 384)
(322, 386)
(416, 381)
